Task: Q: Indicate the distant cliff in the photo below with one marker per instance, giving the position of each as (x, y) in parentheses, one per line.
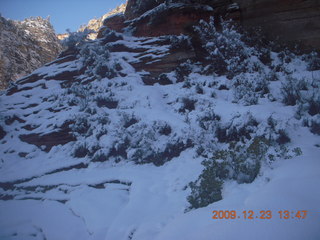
(96, 23)
(25, 46)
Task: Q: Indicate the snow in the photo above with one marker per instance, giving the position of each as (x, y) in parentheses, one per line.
(282, 191)
(154, 205)
(122, 200)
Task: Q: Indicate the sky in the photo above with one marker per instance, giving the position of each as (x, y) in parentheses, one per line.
(64, 14)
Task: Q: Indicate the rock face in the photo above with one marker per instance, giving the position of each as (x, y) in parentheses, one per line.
(289, 20)
(25, 46)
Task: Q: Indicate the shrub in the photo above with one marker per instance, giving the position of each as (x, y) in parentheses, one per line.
(235, 132)
(165, 129)
(181, 42)
(209, 121)
(171, 150)
(239, 162)
(75, 38)
(248, 88)
(103, 119)
(163, 79)
(199, 89)
(182, 71)
(314, 107)
(225, 50)
(81, 151)
(207, 188)
(100, 157)
(283, 137)
(106, 102)
(129, 120)
(159, 157)
(243, 162)
(81, 126)
(119, 149)
(110, 36)
(313, 61)
(187, 104)
(315, 127)
(291, 91)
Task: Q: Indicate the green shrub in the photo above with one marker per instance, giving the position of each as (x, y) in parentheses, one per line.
(239, 162)
(207, 188)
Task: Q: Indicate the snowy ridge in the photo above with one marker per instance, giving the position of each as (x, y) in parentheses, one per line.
(26, 46)
(89, 151)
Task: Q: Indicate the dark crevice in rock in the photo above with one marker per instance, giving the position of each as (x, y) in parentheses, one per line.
(30, 106)
(9, 120)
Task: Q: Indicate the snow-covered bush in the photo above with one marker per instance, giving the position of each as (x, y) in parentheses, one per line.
(291, 90)
(249, 87)
(106, 101)
(96, 59)
(80, 151)
(313, 60)
(100, 156)
(141, 6)
(226, 52)
(180, 42)
(110, 36)
(143, 143)
(129, 120)
(305, 94)
(164, 128)
(81, 126)
(315, 126)
(208, 121)
(283, 137)
(241, 128)
(75, 39)
(182, 71)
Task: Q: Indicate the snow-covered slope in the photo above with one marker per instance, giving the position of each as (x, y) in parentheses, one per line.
(89, 151)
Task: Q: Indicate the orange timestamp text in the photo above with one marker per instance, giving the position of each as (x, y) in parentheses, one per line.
(264, 214)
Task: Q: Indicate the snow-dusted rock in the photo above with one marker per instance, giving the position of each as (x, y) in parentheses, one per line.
(25, 46)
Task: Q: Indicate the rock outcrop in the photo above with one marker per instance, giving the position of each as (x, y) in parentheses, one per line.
(25, 46)
(290, 20)
(293, 21)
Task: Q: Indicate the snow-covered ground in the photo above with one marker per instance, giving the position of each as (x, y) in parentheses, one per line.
(50, 195)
